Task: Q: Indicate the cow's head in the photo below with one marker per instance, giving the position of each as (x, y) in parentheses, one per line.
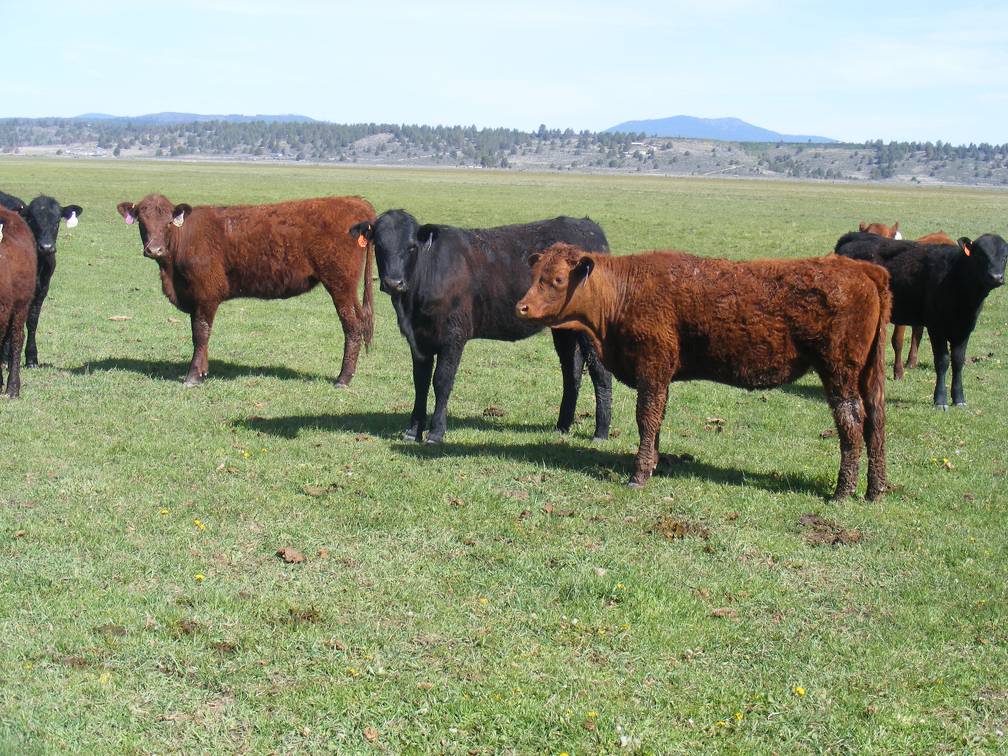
(158, 217)
(881, 229)
(987, 255)
(557, 275)
(398, 242)
(12, 203)
(43, 215)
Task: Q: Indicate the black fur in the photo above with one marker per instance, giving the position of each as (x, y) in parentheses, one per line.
(449, 285)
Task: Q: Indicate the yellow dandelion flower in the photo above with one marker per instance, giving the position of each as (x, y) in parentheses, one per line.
(722, 723)
(799, 691)
(592, 714)
(484, 601)
(200, 577)
(199, 523)
(620, 586)
(739, 716)
(164, 511)
(353, 671)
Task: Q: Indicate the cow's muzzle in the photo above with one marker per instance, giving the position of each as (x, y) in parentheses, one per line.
(153, 254)
(393, 285)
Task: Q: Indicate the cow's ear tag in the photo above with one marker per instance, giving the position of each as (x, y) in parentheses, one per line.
(178, 220)
(72, 220)
(1, 232)
(361, 241)
(966, 249)
(129, 219)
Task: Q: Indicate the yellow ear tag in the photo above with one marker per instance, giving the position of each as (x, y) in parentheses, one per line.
(361, 241)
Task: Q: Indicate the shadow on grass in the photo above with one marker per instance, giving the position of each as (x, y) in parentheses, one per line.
(603, 463)
(579, 456)
(389, 425)
(176, 371)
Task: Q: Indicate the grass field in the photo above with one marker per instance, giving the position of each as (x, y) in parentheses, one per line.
(503, 592)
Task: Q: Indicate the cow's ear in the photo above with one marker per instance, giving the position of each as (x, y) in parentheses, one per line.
(534, 258)
(71, 213)
(965, 244)
(179, 214)
(363, 229)
(128, 211)
(862, 227)
(580, 272)
(426, 236)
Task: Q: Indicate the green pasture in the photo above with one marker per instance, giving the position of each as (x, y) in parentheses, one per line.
(503, 592)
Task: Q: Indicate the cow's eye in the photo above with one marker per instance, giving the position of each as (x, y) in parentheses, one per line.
(558, 281)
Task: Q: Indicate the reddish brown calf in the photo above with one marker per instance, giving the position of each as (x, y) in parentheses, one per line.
(899, 331)
(18, 263)
(670, 316)
(208, 255)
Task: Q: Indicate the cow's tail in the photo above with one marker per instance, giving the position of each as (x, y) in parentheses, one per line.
(368, 295)
(872, 385)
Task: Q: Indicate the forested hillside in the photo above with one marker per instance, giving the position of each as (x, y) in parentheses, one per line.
(544, 149)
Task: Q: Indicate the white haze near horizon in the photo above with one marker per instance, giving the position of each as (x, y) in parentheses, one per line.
(851, 71)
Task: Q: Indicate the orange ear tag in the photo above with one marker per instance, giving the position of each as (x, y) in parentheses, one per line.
(361, 241)
(966, 249)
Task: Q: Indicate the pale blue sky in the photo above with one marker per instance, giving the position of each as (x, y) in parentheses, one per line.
(848, 70)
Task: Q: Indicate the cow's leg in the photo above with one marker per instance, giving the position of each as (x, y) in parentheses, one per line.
(423, 368)
(651, 401)
(915, 339)
(353, 334)
(939, 348)
(849, 417)
(958, 360)
(444, 378)
(202, 322)
(602, 381)
(41, 291)
(17, 328)
(571, 369)
(897, 347)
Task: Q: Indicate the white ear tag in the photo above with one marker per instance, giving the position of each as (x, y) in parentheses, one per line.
(898, 236)
(72, 220)
(1, 232)
(178, 220)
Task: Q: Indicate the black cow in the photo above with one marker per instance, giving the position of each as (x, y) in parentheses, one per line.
(939, 286)
(449, 285)
(43, 215)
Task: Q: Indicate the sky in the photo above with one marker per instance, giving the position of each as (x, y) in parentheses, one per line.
(853, 71)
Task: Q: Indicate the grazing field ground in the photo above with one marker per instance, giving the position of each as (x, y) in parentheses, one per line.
(503, 592)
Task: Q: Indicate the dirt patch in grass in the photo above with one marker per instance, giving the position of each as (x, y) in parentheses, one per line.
(820, 531)
(675, 529)
(304, 615)
(110, 630)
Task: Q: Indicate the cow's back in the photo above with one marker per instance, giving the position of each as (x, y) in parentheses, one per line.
(271, 251)
(476, 276)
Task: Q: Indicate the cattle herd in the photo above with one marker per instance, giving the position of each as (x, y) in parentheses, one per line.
(649, 319)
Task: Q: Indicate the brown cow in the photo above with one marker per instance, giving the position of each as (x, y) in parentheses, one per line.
(670, 316)
(917, 332)
(18, 263)
(208, 255)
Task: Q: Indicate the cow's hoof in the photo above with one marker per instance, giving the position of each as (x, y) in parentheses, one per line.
(959, 404)
(342, 384)
(31, 364)
(410, 435)
(434, 438)
(600, 437)
(634, 484)
(192, 382)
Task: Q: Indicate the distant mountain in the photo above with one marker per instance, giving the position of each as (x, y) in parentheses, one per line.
(195, 118)
(722, 129)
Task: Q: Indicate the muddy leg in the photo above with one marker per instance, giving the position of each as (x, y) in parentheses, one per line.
(848, 414)
(202, 323)
(651, 403)
(353, 336)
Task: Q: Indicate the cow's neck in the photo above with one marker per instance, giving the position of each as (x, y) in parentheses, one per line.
(600, 302)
